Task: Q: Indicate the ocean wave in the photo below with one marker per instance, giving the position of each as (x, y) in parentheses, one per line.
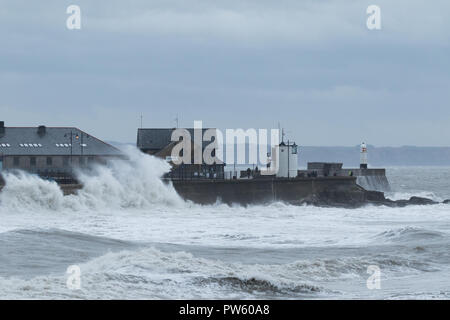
(32, 252)
(408, 234)
(407, 195)
(150, 273)
(61, 236)
(155, 274)
(253, 285)
(132, 184)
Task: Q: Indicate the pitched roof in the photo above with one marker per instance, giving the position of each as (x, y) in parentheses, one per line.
(159, 138)
(55, 141)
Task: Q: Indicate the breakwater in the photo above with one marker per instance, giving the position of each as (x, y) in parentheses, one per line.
(319, 191)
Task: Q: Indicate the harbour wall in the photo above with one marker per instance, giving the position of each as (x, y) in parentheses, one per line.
(326, 190)
(369, 179)
(374, 183)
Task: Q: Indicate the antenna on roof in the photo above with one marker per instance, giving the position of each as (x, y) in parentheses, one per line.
(279, 129)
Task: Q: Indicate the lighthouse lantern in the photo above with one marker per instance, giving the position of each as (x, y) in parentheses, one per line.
(363, 162)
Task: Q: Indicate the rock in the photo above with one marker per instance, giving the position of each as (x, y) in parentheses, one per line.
(341, 198)
(375, 196)
(420, 201)
(414, 201)
(446, 201)
(347, 199)
(381, 200)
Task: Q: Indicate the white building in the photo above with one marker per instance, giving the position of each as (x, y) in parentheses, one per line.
(287, 160)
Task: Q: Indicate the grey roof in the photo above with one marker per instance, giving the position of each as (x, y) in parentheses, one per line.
(158, 138)
(55, 141)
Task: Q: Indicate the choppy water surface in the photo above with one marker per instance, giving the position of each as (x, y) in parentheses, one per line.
(133, 238)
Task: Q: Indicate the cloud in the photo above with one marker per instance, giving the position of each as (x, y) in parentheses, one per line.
(309, 64)
(307, 22)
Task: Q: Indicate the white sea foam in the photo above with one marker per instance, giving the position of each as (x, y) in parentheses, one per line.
(28, 192)
(122, 184)
(406, 195)
(153, 274)
(220, 250)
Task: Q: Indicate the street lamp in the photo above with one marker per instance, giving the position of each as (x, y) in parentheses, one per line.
(71, 150)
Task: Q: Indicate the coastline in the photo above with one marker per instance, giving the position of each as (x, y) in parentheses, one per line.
(340, 192)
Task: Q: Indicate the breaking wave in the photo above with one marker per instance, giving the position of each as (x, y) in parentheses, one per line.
(408, 234)
(133, 238)
(121, 184)
(153, 274)
(148, 272)
(29, 192)
(115, 269)
(406, 195)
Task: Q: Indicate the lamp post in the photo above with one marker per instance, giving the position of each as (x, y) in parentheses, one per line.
(288, 155)
(82, 144)
(71, 149)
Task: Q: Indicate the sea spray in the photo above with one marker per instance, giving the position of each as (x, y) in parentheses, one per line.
(121, 184)
(28, 192)
(132, 183)
(254, 252)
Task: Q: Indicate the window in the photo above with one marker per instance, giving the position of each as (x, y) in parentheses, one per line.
(16, 161)
(33, 161)
(49, 161)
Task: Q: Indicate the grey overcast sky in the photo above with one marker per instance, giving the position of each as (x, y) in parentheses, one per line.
(311, 65)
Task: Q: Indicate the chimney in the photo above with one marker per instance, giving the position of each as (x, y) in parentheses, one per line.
(41, 130)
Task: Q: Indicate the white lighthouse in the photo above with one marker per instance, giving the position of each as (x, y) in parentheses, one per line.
(363, 156)
(287, 160)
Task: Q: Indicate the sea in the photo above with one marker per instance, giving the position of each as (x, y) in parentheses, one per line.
(128, 235)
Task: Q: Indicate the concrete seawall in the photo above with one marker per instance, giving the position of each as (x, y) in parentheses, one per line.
(370, 179)
(324, 190)
(375, 183)
(317, 190)
(320, 191)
